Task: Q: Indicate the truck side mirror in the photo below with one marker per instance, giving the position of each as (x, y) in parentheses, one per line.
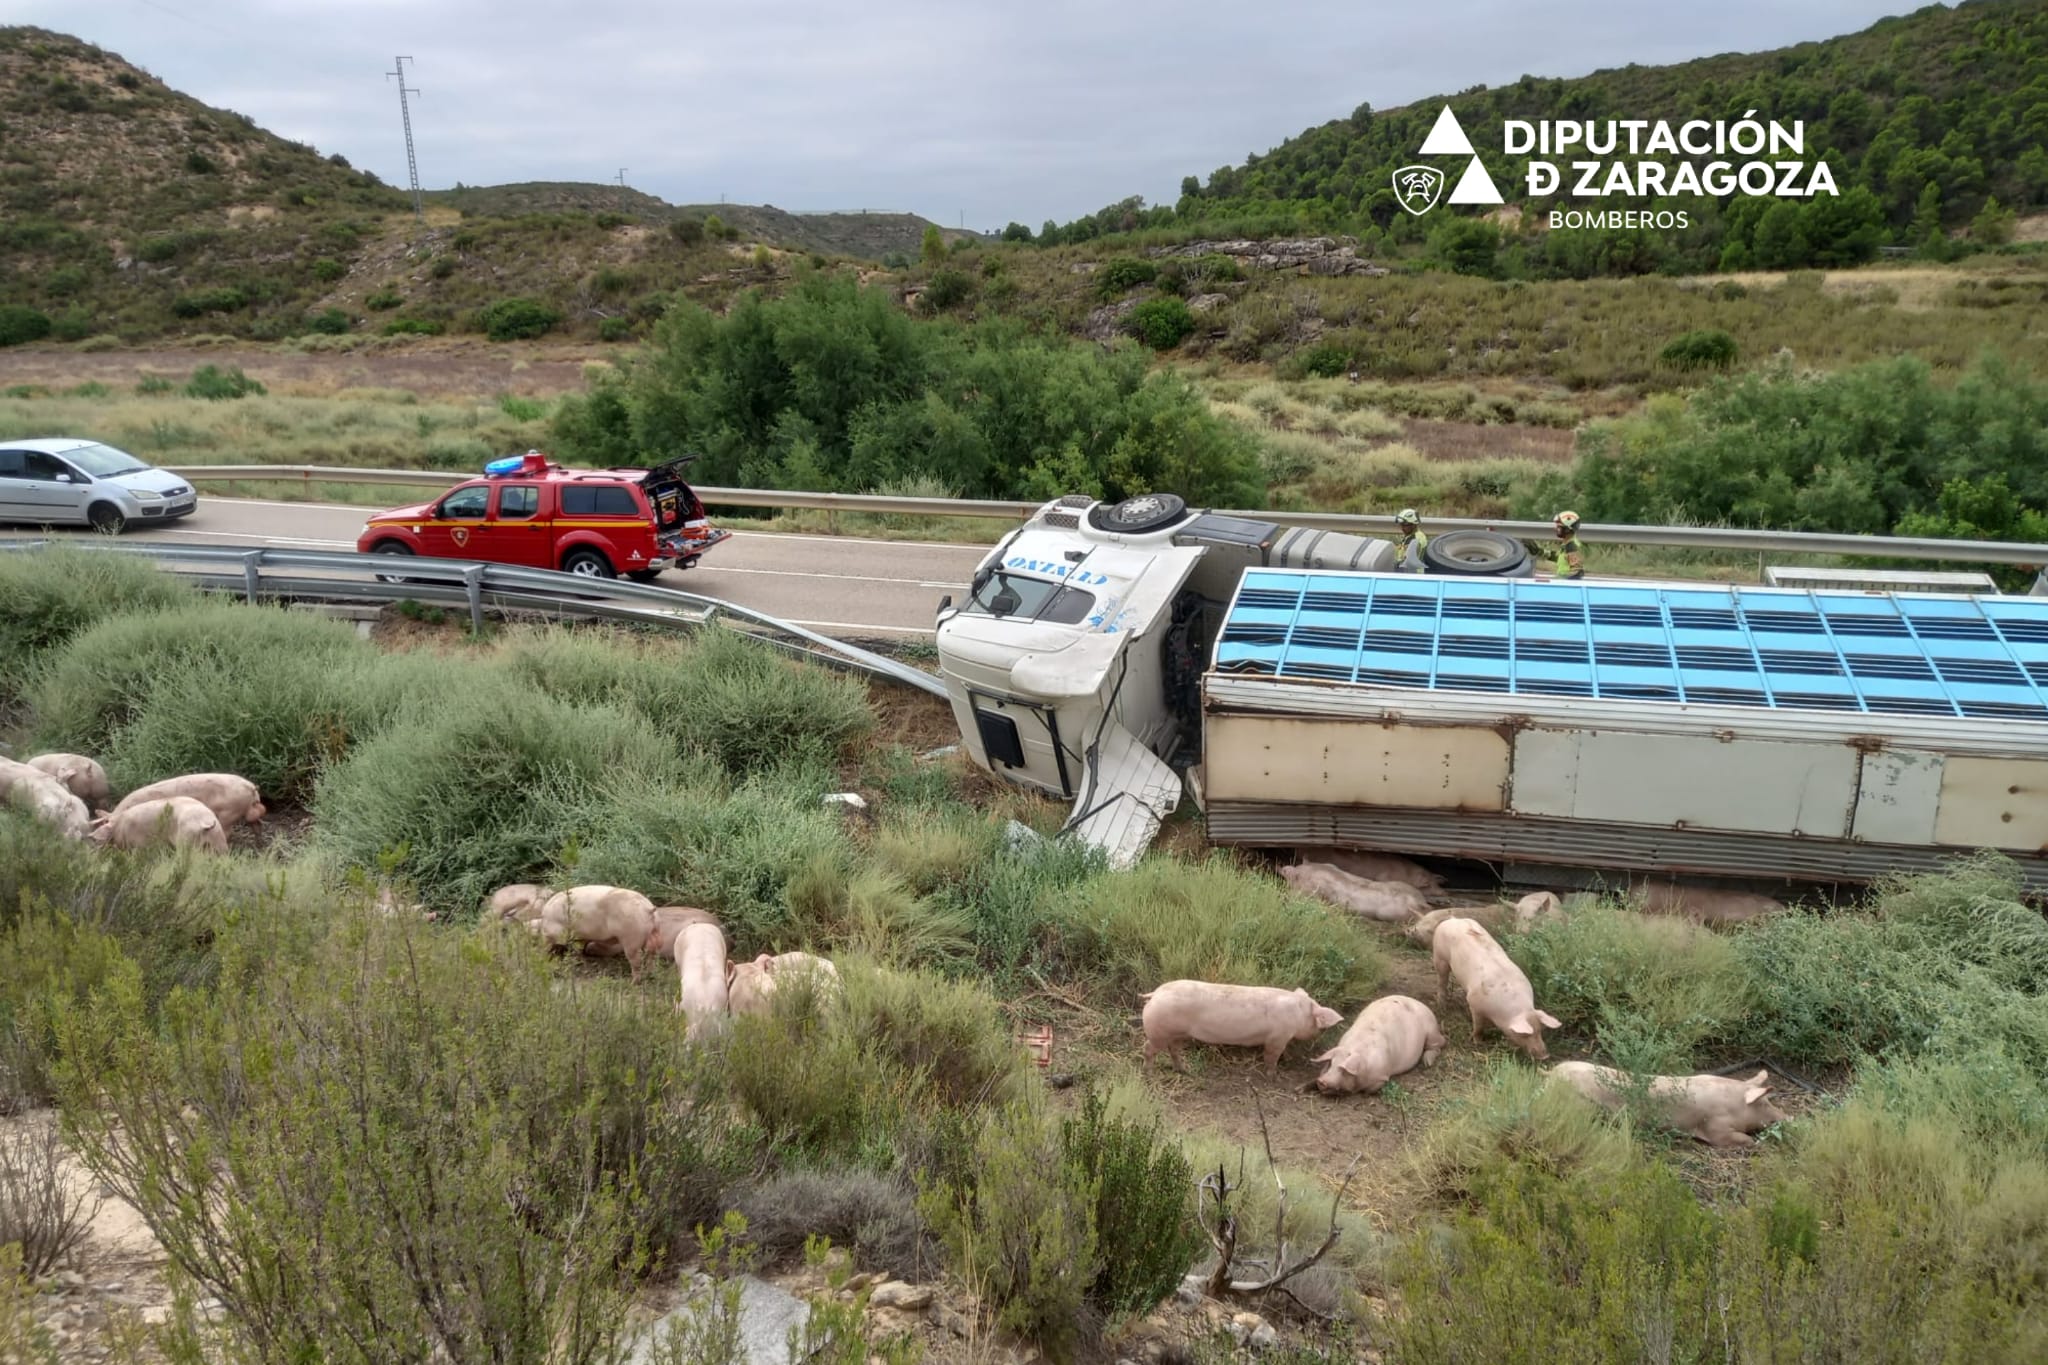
(946, 603)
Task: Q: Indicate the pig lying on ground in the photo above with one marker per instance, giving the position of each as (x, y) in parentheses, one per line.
(1705, 906)
(700, 962)
(1389, 902)
(44, 798)
(233, 799)
(178, 821)
(1496, 991)
(669, 923)
(1391, 1035)
(80, 776)
(1537, 905)
(1181, 1012)
(1717, 1110)
(751, 986)
(1374, 867)
(520, 902)
(598, 914)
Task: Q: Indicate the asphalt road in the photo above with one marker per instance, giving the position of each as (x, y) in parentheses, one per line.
(833, 584)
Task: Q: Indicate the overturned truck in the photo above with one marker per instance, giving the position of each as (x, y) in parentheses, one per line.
(1117, 656)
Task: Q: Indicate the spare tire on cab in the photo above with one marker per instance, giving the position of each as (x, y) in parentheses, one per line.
(1487, 554)
(1132, 516)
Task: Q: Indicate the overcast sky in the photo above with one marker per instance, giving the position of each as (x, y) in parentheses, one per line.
(1024, 110)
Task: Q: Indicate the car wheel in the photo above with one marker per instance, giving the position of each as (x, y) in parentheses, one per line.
(1146, 512)
(1477, 553)
(587, 564)
(106, 518)
(390, 547)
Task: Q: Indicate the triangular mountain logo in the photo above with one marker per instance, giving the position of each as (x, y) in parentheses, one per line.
(1447, 138)
(1417, 187)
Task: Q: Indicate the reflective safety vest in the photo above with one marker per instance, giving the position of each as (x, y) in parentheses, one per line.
(1409, 548)
(1571, 559)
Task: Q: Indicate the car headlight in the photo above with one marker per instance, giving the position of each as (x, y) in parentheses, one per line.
(144, 495)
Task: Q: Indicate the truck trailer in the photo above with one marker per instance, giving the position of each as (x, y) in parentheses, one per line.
(1303, 694)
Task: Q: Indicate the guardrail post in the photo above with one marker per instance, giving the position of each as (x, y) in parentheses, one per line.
(473, 583)
(252, 572)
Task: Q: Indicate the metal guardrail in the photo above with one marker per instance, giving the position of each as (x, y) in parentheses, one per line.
(475, 586)
(1668, 537)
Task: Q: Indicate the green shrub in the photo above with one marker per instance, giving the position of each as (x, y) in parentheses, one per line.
(73, 324)
(950, 1035)
(522, 409)
(1651, 988)
(687, 231)
(1024, 1229)
(328, 322)
(517, 319)
(1145, 1236)
(874, 1216)
(819, 1092)
(458, 1146)
(224, 299)
(1122, 274)
(384, 300)
(99, 343)
(1162, 323)
(1214, 921)
(19, 324)
(400, 327)
(216, 383)
(614, 329)
(1325, 360)
(868, 909)
(482, 787)
(327, 270)
(44, 958)
(1510, 1114)
(1705, 349)
(947, 289)
(932, 849)
(153, 385)
(48, 596)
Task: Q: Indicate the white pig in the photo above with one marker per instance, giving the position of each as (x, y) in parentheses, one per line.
(1496, 991)
(234, 799)
(1422, 929)
(598, 914)
(1390, 902)
(1720, 1111)
(749, 989)
(1374, 867)
(669, 922)
(1537, 905)
(751, 986)
(700, 962)
(82, 777)
(1705, 906)
(44, 798)
(178, 821)
(1181, 1012)
(520, 902)
(1393, 1034)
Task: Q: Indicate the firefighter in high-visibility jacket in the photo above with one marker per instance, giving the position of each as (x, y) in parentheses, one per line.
(1412, 542)
(1570, 555)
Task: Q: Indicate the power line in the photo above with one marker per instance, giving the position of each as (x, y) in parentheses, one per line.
(412, 165)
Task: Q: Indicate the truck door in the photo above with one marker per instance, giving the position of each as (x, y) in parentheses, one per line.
(449, 532)
(514, 533)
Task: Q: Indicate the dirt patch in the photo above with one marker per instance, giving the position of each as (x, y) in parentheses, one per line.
(284, 829)
(918, 721)
(458, 368)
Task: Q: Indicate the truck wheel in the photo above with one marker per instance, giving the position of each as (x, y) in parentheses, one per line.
(587, 564)
(1146, 512)
(1477, 553)
(390, 547)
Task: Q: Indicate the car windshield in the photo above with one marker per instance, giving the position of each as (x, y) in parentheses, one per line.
(1034, 599)
(104, 462)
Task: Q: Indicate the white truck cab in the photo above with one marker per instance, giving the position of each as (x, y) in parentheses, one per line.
(1075, 664)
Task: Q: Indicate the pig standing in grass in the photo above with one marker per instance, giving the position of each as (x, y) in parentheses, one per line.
(1181, 1012)
(1389, 902)
(1720, 1111)
(44, 797)
(1537, 905)
(599, 914)
(233, 799)
(80, 776)
(752, 985)
(178, 821)
(700, 962)
(669, 923)
(1496, 991)
(749, 989)
(1374, 867)
(520, 902)
(1707, 907)
(1392, 1035)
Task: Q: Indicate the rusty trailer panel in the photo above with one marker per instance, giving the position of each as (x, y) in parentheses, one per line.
(1993, 803)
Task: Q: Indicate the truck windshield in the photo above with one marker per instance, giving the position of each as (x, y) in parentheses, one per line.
(1034, 599)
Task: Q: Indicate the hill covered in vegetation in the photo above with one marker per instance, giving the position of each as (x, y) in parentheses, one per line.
(1924, 120)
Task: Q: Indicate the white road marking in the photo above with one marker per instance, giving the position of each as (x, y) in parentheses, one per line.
(253, 535)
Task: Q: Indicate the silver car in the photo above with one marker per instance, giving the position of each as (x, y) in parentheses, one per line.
(60, 480)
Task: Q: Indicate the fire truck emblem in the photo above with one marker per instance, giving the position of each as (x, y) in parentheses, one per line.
(461, 534)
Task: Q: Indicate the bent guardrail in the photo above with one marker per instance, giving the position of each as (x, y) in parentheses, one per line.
(476, 586)
(1666, 537)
